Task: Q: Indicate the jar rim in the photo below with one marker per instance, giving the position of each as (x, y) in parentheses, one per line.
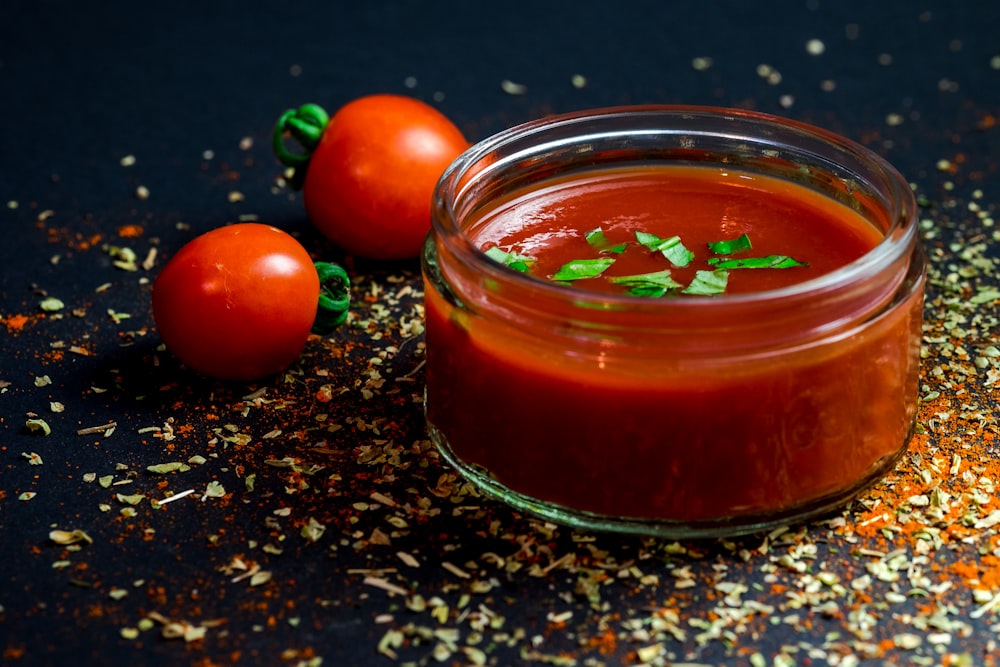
(899, 200)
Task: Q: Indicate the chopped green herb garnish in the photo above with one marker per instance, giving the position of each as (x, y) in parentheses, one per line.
(672, 248)
(769, 262)
(730, 246)
(510, 259)
(579, 269)
(648, 290)
(656, 283)
(597, 239)
(708, 283)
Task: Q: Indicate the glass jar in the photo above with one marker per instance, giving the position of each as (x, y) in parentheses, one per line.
(679, 417)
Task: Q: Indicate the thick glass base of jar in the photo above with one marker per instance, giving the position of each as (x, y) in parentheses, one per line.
(729, 526)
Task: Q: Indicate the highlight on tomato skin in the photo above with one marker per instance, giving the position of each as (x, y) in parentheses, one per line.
(368, 173)
(238, 302)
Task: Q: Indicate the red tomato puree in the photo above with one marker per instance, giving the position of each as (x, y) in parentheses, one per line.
(653, 432)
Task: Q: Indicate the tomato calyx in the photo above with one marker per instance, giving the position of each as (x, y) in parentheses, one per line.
(334, 297)
(305, 125)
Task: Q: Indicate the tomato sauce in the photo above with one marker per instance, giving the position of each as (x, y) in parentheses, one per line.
(626, 427)
(700, 206)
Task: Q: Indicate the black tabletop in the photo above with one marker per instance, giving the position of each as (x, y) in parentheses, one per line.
(319, 525)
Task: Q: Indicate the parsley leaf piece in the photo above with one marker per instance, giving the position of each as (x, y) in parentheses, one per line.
(671, 248)
(648, 290)
(654, 284)
(578, 269)
(769, 262)
(510, 259)
(597, 239)
(730, 246)
(708, 283)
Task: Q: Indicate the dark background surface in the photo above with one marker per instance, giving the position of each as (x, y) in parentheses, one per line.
(413, 568)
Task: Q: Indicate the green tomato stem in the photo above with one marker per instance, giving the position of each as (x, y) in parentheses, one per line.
(305, 125)
(334, 297)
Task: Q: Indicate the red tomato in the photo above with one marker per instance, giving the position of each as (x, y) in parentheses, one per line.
(369, 181)
(238, 302)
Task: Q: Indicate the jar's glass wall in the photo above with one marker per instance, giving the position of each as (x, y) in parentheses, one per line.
(673, 417)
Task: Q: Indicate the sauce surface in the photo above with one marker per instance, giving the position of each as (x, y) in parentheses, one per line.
(697, 204)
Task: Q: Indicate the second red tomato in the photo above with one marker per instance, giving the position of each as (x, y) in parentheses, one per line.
(369, 181)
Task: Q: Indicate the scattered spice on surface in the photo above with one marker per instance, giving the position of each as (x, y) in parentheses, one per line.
(319, 508)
